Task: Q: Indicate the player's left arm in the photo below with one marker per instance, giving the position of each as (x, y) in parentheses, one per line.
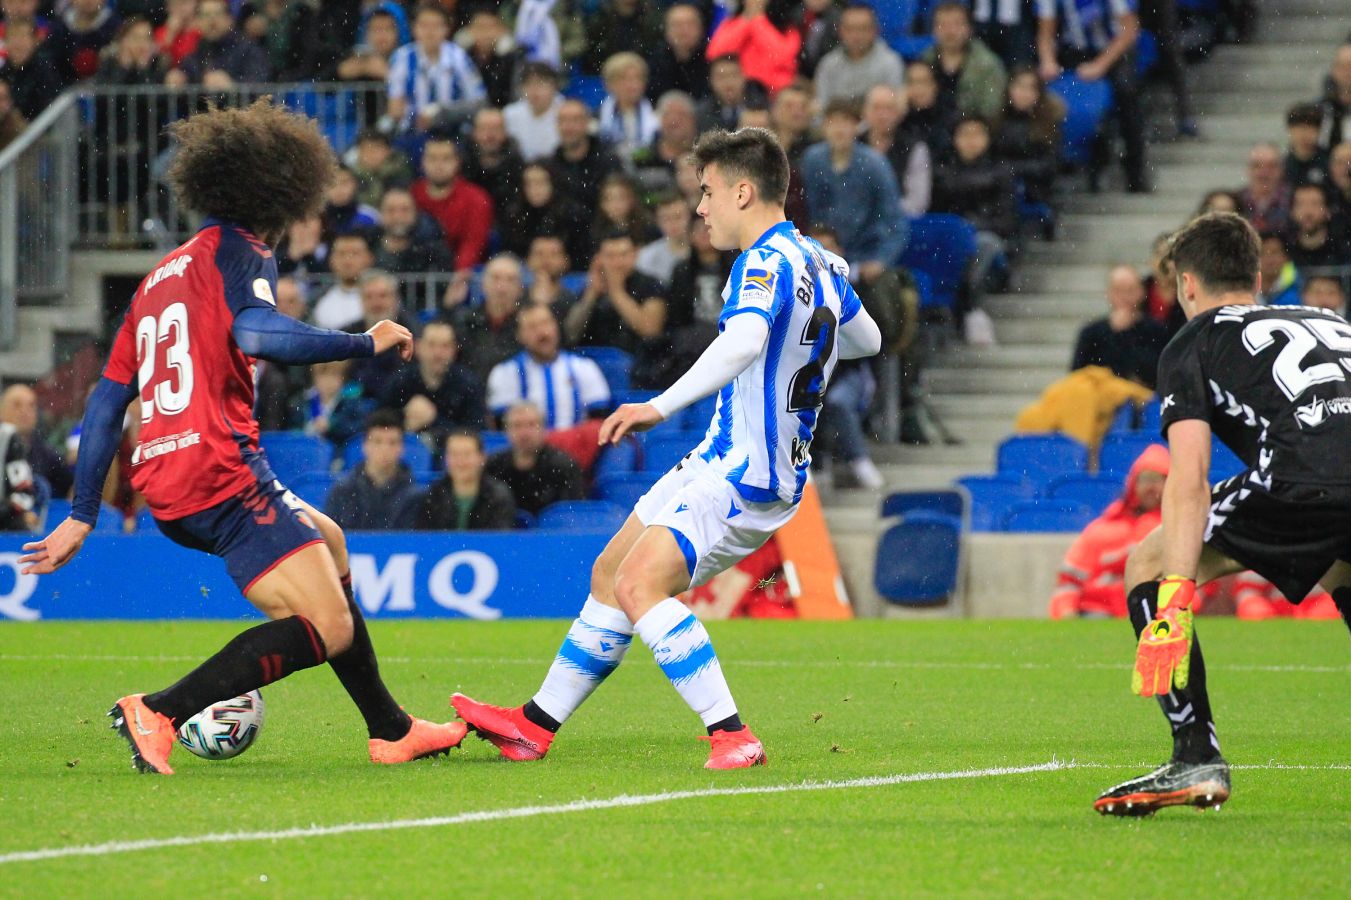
(1186, 497)
(859, 334)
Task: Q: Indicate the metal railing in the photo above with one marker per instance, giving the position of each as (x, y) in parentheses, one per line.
(420, 292)
(37, 201)
(125, 152)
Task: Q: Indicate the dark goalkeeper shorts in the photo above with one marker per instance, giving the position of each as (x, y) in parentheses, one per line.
(253, 531)
(1288, 533)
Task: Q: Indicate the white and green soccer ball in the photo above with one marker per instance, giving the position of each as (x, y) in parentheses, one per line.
(225, 729)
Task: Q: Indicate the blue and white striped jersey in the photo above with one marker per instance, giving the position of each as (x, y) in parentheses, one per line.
(761, 433)
(450, 78)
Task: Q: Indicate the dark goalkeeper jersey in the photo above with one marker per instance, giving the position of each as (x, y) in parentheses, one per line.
(1273, 382)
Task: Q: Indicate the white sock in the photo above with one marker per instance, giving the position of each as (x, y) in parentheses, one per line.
(594, 647)
(681, 646)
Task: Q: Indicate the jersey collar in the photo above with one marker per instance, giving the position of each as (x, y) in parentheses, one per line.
(783, 227)
(213, 221)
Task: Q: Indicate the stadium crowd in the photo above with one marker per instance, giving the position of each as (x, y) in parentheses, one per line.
(524, 200)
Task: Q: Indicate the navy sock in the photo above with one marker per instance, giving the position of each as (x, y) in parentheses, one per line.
(257, 657)
(359, 672)
(1187, 710)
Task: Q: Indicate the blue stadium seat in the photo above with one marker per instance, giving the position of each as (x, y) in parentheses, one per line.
(293, 453)
(1150, 420)
(1146, 53)
(573, 282)
(1123, 420)
(617, 459)
(1120, 451)
(1224, 463)
(624, 489)
(941, 245)
(145, 520)
(1096, 492)
(919, 558)
(696, 416)
(633, 396)
(590, 89)
(1087, 103)
(1037, 458)
(662, 451)
(614, 364)
(953, 502)
(429, 477)
(416, 456)
(493, 441)
(314, 487)
(570, 514)
(991, 496)
(1047, 515)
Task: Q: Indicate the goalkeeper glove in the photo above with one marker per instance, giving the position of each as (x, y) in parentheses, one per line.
(1163, 657)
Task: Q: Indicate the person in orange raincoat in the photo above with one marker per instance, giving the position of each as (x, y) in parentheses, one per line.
(1091, 578)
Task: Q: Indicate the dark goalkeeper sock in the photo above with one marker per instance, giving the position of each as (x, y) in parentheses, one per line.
(359, 672)
(1342, 597)
(1187, 710)
(257, 657)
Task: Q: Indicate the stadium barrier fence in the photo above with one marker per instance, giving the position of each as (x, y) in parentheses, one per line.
(37, 199)
(125, 152)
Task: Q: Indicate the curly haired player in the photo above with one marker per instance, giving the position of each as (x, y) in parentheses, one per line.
(186, 349)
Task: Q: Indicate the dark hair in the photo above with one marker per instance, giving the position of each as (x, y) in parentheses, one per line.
(1310, 114)
(616, 234)
(842, 106)
(1309, 279)
(540, 70)
(968, 119)
(475, 436)
(1202, 207)
(752, 153)
(860, 6)
(951, 6)
(1219, 249)
(259, 166)
(667, 198)
(431, 7)
(820, 230)
(129, 23)
(355, 234)
(381, 12)
(1271, 234)
(383, 418)
(1310, 186)
(374, 135)
(725, 58)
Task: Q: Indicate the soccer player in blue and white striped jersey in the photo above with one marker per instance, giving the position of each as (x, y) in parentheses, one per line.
(432, 76)
(789, 315)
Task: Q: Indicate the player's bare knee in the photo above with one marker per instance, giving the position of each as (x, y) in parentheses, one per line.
(335, 628)
(633, 592)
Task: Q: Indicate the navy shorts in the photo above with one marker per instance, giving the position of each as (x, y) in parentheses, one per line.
(252, 532)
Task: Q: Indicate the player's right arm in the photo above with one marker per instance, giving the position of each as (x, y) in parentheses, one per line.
(100, 434)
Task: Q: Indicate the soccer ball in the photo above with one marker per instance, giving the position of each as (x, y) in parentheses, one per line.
(224, 729)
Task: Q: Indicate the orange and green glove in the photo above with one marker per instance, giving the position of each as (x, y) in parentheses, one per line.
(1163, 658)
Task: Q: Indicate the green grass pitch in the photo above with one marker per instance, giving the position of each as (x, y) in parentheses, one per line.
(832, 702)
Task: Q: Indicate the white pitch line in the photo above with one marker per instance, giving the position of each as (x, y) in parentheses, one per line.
(732, 662)
(519, 812)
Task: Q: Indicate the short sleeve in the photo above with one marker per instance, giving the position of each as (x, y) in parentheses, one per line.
(758, 284)
(849, 301)
(501, 387)
(121, 365)
(591, 385)
(1184, 390)
(248, 272)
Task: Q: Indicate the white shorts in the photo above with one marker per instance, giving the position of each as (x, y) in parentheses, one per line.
(714, 525)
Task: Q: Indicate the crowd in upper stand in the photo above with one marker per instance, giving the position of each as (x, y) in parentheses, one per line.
(531, 155)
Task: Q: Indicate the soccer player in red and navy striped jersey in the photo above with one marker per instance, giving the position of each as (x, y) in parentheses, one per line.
(186, 349)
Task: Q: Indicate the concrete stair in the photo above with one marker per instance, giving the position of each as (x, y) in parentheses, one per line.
(1240, 94)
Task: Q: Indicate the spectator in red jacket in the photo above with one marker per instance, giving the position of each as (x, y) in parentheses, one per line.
(1090, 582)
(763, 38)
(463, 209)
(1256, 598)
(78, 36)
(178, 36)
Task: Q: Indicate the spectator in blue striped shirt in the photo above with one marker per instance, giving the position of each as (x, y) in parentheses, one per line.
(1095, 39)
(567, 387)
(432, 81)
